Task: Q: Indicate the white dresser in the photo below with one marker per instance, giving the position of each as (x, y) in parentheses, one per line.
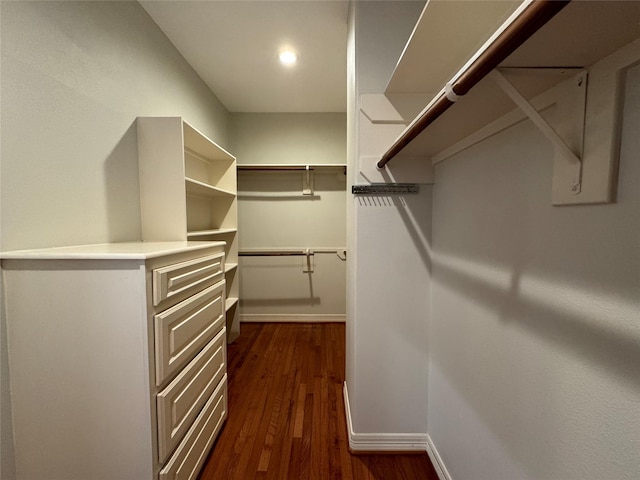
(117, 358)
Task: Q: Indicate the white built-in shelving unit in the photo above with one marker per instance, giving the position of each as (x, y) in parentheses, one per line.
(188, 187)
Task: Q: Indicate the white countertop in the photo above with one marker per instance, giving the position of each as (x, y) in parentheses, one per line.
(109, 251)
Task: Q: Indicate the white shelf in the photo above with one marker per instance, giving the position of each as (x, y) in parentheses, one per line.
(205, 233)
(198, 143)
(577, 37)
(228, 267)
(434, 52)
(230, 302)
(197, 188)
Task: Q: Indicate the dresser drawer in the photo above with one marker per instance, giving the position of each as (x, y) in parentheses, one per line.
(192, 275)
(182, 330)
(179, 403)
(188, 458)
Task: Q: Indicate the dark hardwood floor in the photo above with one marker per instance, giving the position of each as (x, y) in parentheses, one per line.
(286, 412)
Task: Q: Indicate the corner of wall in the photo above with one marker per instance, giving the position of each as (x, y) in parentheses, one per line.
(382, 442)
(436, 460)
(7, 459)
(387, 234)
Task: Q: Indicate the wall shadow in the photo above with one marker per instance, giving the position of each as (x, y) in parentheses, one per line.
(122, 188)
(615, 351)
(418, 228)
(420, 231)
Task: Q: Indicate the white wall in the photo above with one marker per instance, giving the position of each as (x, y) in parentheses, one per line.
(389, 270)
(535, 332)
(352, 141)
(75, 75)
(273, 213)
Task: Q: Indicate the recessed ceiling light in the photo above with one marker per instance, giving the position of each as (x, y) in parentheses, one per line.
(288, 57)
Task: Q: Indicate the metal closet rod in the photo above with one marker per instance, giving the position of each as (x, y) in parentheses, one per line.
(532, 18)
(278, 167)
(283, 167)
(287, 253)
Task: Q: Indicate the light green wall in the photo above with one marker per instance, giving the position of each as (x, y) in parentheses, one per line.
(289, 137)
(75, 75)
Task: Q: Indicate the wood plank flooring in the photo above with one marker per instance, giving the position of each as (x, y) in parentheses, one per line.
(286, 412)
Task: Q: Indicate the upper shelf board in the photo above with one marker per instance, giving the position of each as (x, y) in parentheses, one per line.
(209, 233)
(581, 34)
(206, 148)
(445, 36)
(448, 33)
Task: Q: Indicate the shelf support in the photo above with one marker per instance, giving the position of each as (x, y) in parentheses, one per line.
(573, 161)
(307, 181)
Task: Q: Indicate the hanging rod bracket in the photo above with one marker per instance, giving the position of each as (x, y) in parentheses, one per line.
(451, 95)
(307, 261)
(307, 181)
(572, 161)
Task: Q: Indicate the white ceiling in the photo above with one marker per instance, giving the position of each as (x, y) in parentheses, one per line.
(233, 46)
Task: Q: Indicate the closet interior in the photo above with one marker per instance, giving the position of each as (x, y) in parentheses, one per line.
(144, 221)
(292, 216)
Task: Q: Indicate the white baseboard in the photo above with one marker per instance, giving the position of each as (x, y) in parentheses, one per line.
(381, 442)
(293, 318)
(436, 460)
